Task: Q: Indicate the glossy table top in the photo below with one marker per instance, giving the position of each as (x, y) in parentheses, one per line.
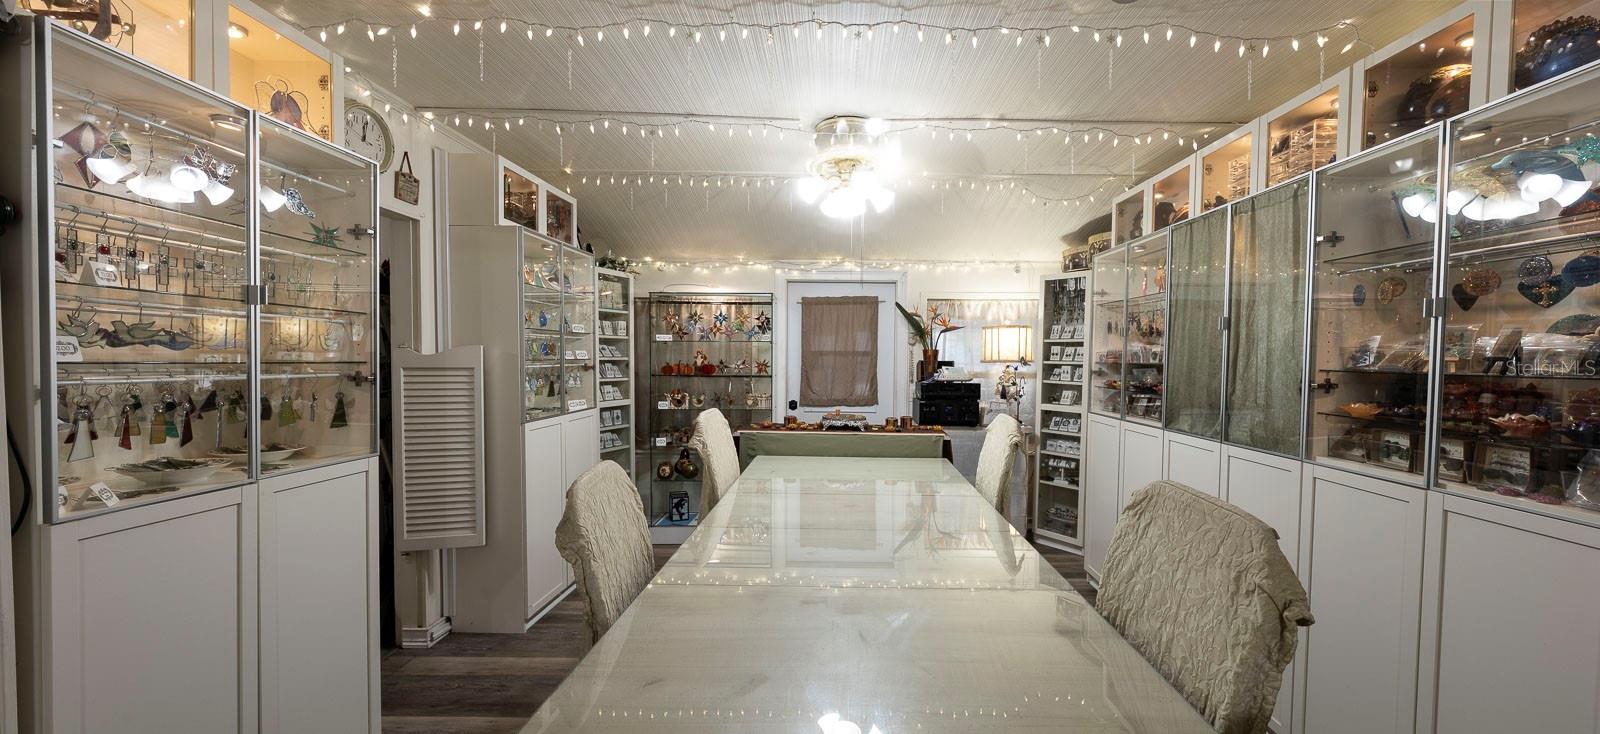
(860, 595)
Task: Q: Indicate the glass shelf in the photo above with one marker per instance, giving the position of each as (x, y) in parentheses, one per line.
(1107, 332)
(1370, 353)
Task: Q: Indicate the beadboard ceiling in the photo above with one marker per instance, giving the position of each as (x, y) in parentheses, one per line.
(1132, 88)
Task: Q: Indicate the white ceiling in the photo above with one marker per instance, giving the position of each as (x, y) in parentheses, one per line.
(1074, 81)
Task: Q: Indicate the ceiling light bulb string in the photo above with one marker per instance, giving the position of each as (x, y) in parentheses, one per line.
(631, 125)
(707, 181)
(840, 263)
(695, 33)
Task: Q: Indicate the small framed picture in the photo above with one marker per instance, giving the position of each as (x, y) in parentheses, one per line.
(1055, 353)
(1395, 449)
(1507, 467)
(1454, 460)
(1055, 331)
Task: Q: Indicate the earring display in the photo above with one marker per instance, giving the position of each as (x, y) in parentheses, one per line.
(156, 309)
(1063, 372)
(705, 351)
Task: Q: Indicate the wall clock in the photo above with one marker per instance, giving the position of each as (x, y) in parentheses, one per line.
(367, 134)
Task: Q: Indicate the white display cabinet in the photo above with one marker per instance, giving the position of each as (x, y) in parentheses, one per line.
(1063, 383)
(614, 366)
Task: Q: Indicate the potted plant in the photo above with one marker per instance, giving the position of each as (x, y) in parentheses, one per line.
(929, 334)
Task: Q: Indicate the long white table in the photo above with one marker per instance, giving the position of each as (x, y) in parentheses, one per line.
(861, 595)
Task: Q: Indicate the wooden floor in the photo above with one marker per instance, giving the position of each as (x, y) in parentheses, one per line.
(482, 684)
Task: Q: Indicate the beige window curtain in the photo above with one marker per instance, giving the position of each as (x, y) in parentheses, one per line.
(839, 351)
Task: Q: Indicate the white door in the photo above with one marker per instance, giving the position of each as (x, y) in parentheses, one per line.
(887, 346)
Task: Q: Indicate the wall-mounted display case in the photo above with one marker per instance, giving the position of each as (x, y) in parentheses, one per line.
(1519, 410)
(1108, 322)
(1128, 217)
(278, 77)
(497, 191)
(1420, 84)
(1063, 361)
(1370, 354)
(1193, 391)
(1170, 195)
(1225, 173)
(1266, 318)
(1303, 138)
(614, 365)
(1144, 365)
(707, 350)
(194, 331)
(157, 32)
(1552, 37)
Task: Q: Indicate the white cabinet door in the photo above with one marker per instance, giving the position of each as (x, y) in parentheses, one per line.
(1267, 486)
(1141, 460)
(151, 624)
(545, 487)
(1364, 578)
(1102, 483)
(580, 446)
(1194, 462)
(1518, 630)
(319, 600)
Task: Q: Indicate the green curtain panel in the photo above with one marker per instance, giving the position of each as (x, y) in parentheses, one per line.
(1264, 353)
(1194, 349)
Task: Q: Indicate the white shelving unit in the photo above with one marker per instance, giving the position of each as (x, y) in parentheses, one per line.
(614, 366)
(1063, 356)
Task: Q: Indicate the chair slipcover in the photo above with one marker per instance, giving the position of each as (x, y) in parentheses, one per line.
(603, 534)
(999, 455)
(1200, 588)
(713, 439)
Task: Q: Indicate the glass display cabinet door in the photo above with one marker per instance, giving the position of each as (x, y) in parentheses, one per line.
(1551, 38)
(1422, 84)
(147, 305)
(1266, 318)
(578, 327)
(318, 348)
(1303, 138)
(282, 79)
(1225, 174)
(1520, 366)
(543, 336)
(1129, 218)
(157, 32)
(1171, 196)
(1370, 354)
(519, 198)
(560, 217)
(1144, 380)
(1199, 277)
(1107, 331)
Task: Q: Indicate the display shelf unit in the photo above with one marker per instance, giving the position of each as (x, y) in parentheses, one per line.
(191, 361)
(1063, 368)
(1372, 271)
(1306, 135)
(1423, 78)
(1227, 169)
(1108, 321)
(1144, 362)
(1548, 38)
(707, 350)
(1518, 398)
(196, 334)
(614, 365)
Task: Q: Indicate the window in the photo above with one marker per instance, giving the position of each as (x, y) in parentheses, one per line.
(839, 351)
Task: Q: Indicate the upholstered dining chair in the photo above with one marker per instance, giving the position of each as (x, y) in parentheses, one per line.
(713, 440)
(604, 535)
(995, 461)
(1201, 590)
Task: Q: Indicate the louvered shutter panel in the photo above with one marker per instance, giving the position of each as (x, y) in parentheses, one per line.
(438, 428)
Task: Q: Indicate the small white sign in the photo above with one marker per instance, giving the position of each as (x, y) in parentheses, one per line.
(659, 337)
(105, 274)
(569, 355)
(580, 329)
(663, 405)
(68, 349)
(357, 331)
(577, 404)
(105, 494)
(583, 354)
(661, 442)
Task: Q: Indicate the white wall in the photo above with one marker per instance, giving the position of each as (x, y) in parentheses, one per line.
(941, 280)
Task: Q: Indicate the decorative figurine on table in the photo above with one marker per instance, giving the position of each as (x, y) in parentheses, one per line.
(1009, 389)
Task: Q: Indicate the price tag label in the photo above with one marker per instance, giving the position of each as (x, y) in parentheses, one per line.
(583, 354)
(105, 494)
(577, 404)
(357, 332)
(105, 273)
(68, 349)
(659, 337)
(661, 442)
(580, 329)
(663, 405)
(569, 354)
